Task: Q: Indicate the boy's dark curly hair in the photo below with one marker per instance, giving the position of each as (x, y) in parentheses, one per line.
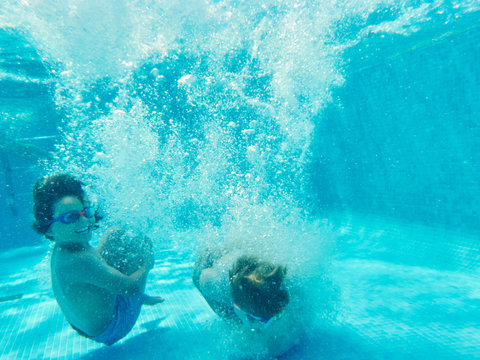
(46, 192)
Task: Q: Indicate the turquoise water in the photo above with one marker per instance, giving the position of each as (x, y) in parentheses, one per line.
(342, 139)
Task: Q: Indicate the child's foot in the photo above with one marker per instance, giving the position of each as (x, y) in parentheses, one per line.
(153, 300)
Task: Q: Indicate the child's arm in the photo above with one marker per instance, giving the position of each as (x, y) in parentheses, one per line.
(214, 281)
(92, 269)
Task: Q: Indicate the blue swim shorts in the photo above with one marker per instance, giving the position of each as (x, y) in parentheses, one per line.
(126, 314)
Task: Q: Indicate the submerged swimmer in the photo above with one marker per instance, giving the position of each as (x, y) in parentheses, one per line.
(99, 301)
(251, 294)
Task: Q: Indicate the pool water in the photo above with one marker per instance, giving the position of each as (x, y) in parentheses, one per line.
(340, 138)
(390, 306)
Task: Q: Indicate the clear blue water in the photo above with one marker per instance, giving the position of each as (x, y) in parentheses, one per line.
(343, 138)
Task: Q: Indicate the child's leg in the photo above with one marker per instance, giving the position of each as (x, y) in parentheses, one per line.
(124, 250)
(127, 252)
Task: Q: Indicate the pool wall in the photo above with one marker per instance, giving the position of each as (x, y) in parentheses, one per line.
(401, 138)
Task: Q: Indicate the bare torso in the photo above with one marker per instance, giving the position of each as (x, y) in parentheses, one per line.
(86, 306)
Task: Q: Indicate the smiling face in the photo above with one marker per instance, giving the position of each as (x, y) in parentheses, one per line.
(76, 233)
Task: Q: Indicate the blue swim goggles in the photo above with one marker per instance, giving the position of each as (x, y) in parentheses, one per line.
(72, 216)
(252, 321)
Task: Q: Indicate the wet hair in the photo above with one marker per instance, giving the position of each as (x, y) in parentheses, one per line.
(46, 192)
(258, 286)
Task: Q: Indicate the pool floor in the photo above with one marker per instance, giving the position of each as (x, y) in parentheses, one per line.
(405, 293)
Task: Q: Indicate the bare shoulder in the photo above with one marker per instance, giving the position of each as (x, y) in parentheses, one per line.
(74, 263)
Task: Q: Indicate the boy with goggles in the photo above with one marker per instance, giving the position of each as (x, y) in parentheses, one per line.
(101, 301)
(249, 293)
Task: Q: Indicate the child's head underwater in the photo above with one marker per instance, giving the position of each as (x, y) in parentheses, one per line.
(257, 288)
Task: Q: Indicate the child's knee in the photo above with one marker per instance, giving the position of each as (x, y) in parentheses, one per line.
(126, 250)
